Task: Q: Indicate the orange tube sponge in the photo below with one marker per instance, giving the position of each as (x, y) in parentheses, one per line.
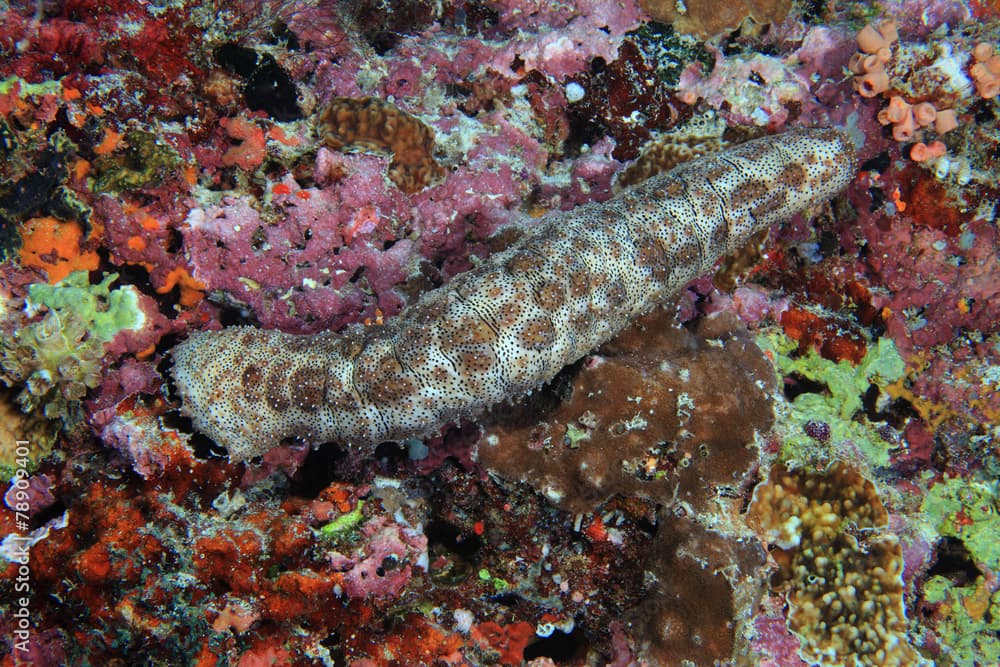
(857, 63)
(871, 40)
(872, 63)
(945, 121)
(871, 84)
(924, 114)
(904, 129)
(921, 152)
(898, 110)
(887, 29)
(986, 70)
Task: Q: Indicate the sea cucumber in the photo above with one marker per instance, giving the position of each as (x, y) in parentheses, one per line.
(500, 330)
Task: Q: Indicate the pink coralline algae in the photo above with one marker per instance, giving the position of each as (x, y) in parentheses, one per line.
(385, 562)
(939, 279)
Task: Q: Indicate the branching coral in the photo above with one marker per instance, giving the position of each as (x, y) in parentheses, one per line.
(842, 578)
(371, 124)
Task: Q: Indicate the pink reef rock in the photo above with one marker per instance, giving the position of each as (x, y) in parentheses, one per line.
(937, 285)
(38, 492)
(309, 269)
(319, 258)
(575, 38)
(383, 564)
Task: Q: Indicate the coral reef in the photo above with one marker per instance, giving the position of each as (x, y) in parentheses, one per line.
(843, 580)
(179, 145)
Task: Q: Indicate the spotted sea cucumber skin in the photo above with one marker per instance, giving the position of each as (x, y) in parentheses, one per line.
(571, 283)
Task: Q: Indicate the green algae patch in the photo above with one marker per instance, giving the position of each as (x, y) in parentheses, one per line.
(967, 622)
(54, 354)
(104, 311)
(499, 584)
(839, 405)
(343, 524)
(968, 510)
(25, 89)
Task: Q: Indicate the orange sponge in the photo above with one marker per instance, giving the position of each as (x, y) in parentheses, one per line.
(54, 247)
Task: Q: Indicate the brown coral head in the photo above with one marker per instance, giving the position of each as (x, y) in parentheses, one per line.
(373, 125)
(707, 19)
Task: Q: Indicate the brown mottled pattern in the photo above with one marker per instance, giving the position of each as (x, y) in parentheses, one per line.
(511, 323)
(700, 135)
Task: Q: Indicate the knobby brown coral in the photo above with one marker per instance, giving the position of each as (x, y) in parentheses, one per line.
(842, 575)
(374, 125)
(661, 412)
(706, 18)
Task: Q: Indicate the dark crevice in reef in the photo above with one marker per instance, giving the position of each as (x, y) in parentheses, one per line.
(452, 539)
(321, 468)
(560, 647)
(953, 561)
(796, 385)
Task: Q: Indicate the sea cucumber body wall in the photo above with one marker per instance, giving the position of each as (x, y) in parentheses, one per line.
(571, 283)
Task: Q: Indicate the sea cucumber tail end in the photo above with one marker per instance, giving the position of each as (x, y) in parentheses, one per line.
(248, 388)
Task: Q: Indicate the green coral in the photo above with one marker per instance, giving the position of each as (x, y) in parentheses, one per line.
(56, 358)
(840, 405)
(968, 622)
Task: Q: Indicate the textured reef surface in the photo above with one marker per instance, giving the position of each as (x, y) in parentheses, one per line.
(793, 462)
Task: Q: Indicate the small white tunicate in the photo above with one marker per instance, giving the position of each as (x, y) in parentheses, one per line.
(942, 166)
(574, 92)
